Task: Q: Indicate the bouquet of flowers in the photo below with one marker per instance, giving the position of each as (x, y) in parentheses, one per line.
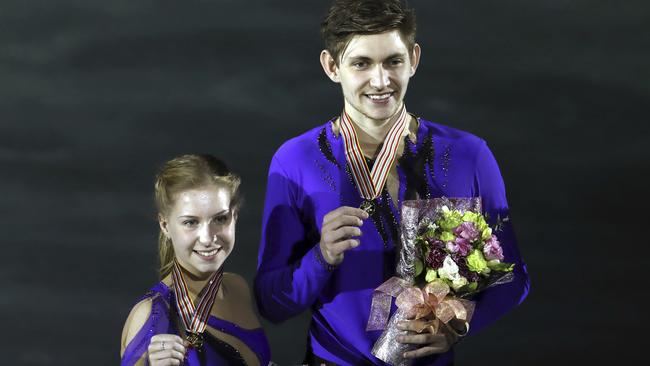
(448, 254)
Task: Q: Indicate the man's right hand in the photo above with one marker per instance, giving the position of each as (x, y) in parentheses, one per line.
(338, 230)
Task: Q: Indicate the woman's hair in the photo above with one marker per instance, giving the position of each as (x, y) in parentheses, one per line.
(184, 173)
(347, 18)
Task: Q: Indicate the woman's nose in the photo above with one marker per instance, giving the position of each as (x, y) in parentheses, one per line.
(205, 234)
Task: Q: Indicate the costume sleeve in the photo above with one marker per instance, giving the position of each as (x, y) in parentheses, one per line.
(291, 270)
(496, 301)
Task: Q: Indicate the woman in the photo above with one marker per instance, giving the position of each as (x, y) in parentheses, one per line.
(197, 314)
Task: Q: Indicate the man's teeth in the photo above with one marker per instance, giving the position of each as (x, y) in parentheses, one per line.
(208, 254)
(379, 96)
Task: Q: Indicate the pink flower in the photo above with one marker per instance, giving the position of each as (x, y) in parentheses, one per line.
(492, 249)
(464, 246)
(452, 247)
(467, 230)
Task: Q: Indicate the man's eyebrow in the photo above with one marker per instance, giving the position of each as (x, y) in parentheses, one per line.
(396, 55)
(359, 58)
(368, 59)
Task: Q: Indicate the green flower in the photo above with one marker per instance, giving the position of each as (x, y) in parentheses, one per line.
(447, 236)
(431, 230)
(476, 262)
(431, 275)
(470, 216)
(495, 265)
(450, 219)
(459, 282)
(486, 233)
(481, 225)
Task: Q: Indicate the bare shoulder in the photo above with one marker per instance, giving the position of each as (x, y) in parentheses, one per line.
(236, 285)
(135, 321)
(240, 300)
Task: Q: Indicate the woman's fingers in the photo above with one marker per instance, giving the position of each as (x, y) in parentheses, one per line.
(166, 349)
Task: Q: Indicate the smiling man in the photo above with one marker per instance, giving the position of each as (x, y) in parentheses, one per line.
(332, 211)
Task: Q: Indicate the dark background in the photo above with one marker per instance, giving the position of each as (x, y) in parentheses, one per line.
(95, 95)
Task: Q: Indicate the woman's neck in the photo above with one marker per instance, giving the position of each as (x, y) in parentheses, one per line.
(195, 283)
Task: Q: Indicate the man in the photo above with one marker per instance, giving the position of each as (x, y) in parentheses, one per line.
(331, 220)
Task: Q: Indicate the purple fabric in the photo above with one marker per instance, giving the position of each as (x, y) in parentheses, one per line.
(308, 178)
(159, 323)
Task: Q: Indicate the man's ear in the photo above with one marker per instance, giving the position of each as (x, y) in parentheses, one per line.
(162, 222)
(329, 66)
(415, 58)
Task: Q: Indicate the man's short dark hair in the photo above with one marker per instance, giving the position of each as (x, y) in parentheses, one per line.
(347, 18)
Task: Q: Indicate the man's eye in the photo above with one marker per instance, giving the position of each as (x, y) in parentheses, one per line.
(222, 219)
(359, 65)
(396, 62)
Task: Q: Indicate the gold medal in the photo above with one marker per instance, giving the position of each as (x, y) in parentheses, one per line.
(195, 339)
(368, 206)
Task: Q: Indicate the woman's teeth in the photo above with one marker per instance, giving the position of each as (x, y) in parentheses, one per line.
(208, 254)
(379, 96)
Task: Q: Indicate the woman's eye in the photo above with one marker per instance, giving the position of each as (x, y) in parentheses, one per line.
(190, 223)
(222, 219)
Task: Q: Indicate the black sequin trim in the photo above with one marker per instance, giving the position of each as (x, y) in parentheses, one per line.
(326, 148)
(327, 177)
(446, 158)
(320, 259)
(414, 168)
(389, 217)
(231, 354)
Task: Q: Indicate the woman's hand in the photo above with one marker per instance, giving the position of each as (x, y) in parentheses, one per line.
(166, 349)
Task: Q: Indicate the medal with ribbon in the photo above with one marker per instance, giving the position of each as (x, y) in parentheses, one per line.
(195, 319)
(371, 182)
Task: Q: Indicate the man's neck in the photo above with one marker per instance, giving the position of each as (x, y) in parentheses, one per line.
(370, 132)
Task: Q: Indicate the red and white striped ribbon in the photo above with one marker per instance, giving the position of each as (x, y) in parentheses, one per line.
(371, 182)
(195, 319)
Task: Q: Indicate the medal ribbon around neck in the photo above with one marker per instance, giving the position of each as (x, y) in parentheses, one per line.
(371, 183)
(195, 319)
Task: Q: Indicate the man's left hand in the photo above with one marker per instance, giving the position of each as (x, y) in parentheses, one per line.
(440, 342)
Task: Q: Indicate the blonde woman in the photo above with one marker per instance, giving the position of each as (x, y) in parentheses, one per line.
(197, 314)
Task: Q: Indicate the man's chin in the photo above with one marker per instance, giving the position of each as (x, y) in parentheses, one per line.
(380, 114)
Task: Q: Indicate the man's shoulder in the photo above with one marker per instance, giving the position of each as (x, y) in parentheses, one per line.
(451, 136)
(301, 145)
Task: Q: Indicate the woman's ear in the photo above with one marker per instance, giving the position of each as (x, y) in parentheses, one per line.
(162, 222)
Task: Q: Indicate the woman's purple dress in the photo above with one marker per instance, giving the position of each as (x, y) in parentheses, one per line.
(214, 351)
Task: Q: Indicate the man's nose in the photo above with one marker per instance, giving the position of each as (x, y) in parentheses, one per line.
(379, 79)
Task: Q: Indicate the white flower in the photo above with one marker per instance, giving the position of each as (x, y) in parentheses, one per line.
(449, 270)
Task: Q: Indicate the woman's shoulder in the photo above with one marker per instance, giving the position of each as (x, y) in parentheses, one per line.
(236, 285)
(136, 320)
(238, 296)
(141, 312)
